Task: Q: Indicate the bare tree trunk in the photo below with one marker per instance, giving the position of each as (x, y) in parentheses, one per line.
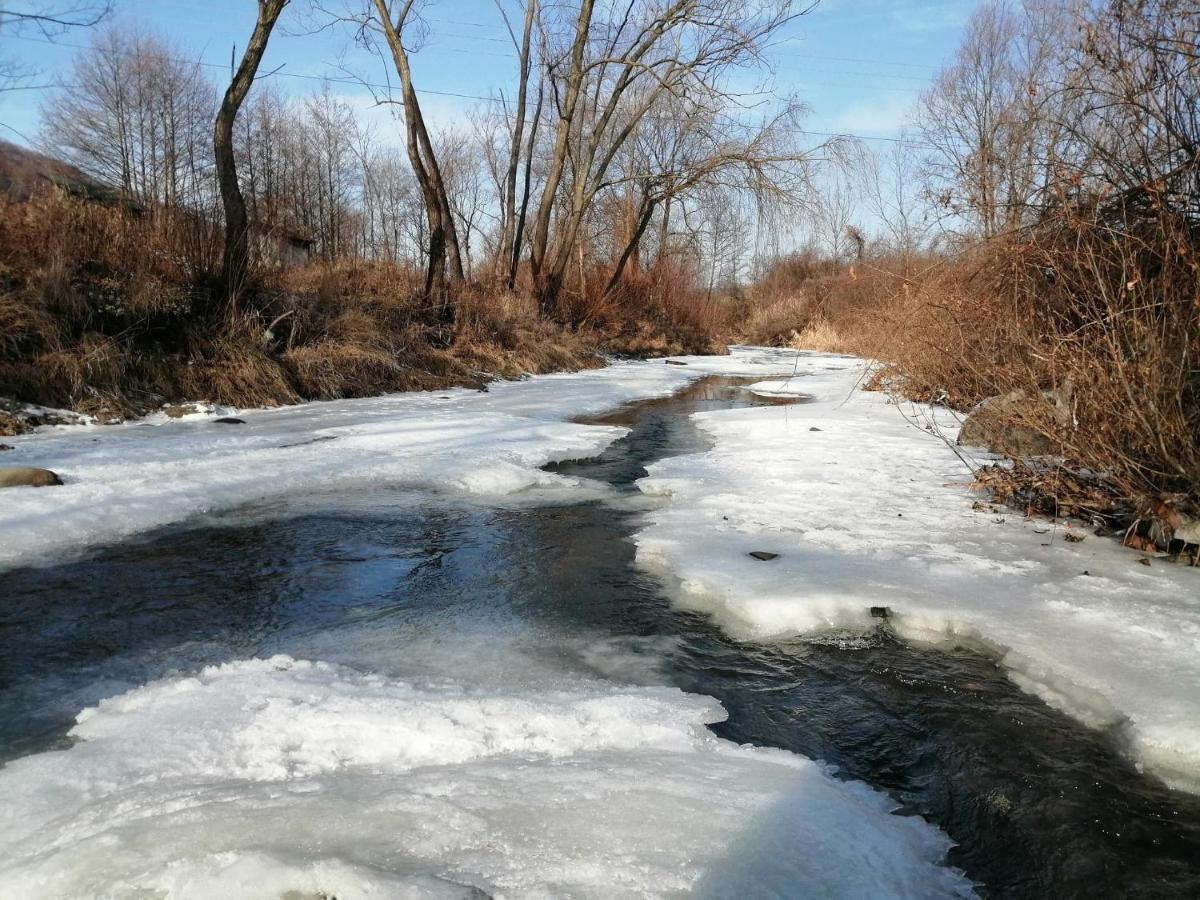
(236, 258)
(508, 214)
(664, 233)
(519, 233)
(645, 214)
(444, 252)
(548, 285)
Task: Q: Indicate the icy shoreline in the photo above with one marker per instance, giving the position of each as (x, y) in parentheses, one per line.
(420, 777)
(121, 480)
(866, 509)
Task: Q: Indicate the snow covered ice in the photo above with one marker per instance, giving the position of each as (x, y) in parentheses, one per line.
(423, 771)
(256, 778)
(866, 508)
(292, 778)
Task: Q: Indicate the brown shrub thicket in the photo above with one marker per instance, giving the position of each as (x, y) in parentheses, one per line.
(109, 310)
(1094, 317)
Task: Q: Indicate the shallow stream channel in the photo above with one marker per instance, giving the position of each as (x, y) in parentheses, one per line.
(433, 586)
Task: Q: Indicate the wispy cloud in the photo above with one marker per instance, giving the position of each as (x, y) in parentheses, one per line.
(881, 114)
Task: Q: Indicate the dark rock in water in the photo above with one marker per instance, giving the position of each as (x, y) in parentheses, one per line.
(674, 362)
(764, 555)
(27, 476)
(814, 428)
(4, 447)
(229, 420)
(880, 612)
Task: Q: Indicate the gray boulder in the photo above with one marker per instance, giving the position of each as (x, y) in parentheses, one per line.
(1188, 530)
(1000, 423)
(27, 476)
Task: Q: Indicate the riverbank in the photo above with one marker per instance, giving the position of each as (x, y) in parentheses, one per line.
(863, 505)
(868, 505)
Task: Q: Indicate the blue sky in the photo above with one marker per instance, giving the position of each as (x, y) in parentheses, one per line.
(857, 63)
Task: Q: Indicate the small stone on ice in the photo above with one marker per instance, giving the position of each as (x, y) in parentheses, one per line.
(763, 555)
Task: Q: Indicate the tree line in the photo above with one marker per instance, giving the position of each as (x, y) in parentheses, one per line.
(620, 138)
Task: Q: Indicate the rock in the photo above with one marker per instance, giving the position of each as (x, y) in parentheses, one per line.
(880, 612)
(4, 447)
(764, 555)
(814, 428)
(179, 410)
(27, 476)
(674, 362)
(230, 420)
(998, 422)
(1188, 530)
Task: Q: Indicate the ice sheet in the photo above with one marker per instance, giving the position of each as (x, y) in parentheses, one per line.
(866, 507)
(263, 777)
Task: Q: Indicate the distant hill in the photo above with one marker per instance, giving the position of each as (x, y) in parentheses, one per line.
(23, 172)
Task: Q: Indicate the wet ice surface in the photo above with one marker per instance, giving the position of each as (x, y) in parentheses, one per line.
(866, 503)
(470, 616)
(492, 714)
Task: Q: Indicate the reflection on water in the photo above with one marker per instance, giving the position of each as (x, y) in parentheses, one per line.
(428, 588)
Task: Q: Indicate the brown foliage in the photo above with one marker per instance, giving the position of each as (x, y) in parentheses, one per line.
(1103, 310)
(101, 310)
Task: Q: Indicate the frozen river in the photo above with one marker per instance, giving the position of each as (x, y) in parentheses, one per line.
(459, 681)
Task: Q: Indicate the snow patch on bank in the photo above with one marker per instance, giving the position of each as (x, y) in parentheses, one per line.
(263, 777)
(866, 508)
(124, 479)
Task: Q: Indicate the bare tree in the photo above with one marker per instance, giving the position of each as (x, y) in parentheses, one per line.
(890, 190)
(613, 75)
(834, 203)
(465, 188)
(509, 251)
(988, 120)
(47, 19)
(686, 148)
(398, 21)
(237, 232)
(138, 119)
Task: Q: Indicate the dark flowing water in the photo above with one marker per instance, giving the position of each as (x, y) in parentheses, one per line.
(1039, 806)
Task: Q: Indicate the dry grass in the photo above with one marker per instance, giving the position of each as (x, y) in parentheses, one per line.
(653, 312)
(109, 311)
(1104, 315)
(821, 336)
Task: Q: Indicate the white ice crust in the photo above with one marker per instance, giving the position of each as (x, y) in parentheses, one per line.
(283, 778)
(464, 771)
(866, 506)
(125, 479)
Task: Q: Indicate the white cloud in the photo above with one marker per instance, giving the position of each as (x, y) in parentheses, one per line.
(880, 114)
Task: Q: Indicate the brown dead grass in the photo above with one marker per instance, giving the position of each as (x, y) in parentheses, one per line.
(111, 311)
(1105, 315)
